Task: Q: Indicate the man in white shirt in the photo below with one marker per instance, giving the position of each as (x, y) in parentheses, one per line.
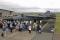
(29, 28)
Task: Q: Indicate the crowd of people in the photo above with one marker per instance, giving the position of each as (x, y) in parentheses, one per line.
(19, 26)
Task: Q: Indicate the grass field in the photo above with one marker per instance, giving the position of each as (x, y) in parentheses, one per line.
(57, 24)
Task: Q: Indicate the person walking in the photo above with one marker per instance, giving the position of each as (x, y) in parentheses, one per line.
(34, 26)
(11, 26)
(1, 24)
(4, 29)
(2, 34)
(29, 28)
(39, 28)
(21, 27)
(14, 24)
(17, 26)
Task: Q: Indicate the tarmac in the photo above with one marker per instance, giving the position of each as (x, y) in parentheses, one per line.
(26, 36)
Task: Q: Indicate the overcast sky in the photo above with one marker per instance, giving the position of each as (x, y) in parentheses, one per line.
(51, 4)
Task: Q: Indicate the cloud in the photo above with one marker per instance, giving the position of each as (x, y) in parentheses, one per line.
(35, 3)
(24, 5)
